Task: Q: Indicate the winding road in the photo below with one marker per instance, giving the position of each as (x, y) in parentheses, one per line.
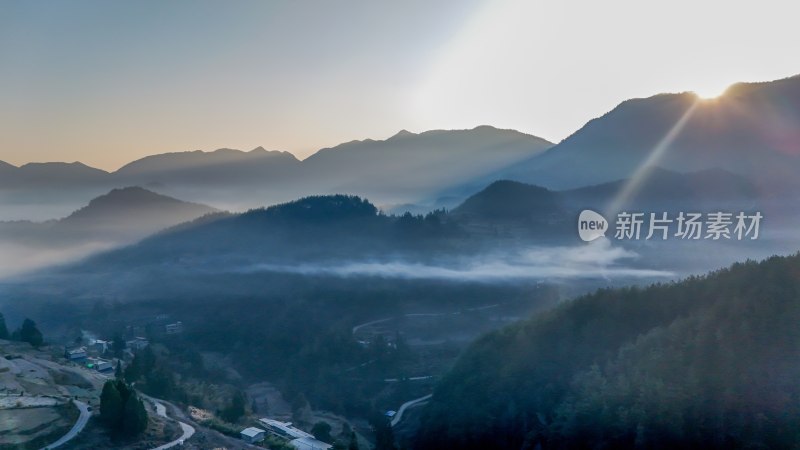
(161, 410)
(399, 416)
(83, 418)
(454, 313)
(396, 380)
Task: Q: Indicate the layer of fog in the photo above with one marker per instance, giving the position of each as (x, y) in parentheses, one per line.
(599, 259)
(17, 259)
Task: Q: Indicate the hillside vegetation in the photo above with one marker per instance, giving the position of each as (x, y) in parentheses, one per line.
(710, 362)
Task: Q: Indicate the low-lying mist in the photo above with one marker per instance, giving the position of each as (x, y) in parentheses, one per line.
(599, 259)
(17, 259)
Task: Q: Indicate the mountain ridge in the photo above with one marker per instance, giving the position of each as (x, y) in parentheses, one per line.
(750, 130)
(260, 150)
(401, 169)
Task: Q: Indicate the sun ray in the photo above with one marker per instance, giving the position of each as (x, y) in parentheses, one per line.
(644, 169)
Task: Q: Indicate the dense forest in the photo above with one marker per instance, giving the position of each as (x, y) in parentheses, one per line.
(709, 362)
(297, 333)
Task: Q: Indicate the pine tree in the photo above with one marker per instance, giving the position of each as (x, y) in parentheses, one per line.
(118, 374)
(143, 418)
(111, 405)
(118, 345)
(134, 370)
(384, 437)
(124, 390)
(235, 410)
(134, 417)
(322, 431)
(3, 328)
(353, 441)
(143, 363)
(30, 334)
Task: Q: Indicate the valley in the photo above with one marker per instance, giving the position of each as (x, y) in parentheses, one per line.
(425, 291)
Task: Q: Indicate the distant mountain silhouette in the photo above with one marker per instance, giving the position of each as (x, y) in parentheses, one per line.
(223, 166)
(412, 166)
(513, 209)
(326, 230)
(48, 175)
(349, 227)
(122, 215)
(665, 189)
(119, 217)
(134, 210)
(316, 227)
(751, 130)
(510, 200)
(662, 190)
(405, 168)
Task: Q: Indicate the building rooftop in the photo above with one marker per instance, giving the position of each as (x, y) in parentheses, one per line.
(307, 443)
(285, 428)
(252, 431)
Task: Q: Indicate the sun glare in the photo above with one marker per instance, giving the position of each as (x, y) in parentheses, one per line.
(711, 91)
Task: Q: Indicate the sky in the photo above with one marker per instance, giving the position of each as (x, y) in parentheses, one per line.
(105, 82)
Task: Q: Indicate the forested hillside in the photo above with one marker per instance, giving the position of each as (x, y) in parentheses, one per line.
(709, 362)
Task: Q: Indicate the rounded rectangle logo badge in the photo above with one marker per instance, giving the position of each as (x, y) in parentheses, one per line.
(591, 225)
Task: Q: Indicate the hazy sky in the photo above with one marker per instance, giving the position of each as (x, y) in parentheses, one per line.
(105, 82)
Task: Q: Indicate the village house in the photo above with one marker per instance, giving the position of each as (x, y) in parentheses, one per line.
(75, 354)
(137, 343)
(252, 435)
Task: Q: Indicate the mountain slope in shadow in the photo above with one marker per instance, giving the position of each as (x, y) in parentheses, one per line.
(693, 364)
(751, 130)
(120, 217)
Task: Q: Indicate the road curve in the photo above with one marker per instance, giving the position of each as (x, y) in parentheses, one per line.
(83, 418)
(399, 416)
(453, 313)
(161, 410)
(187, 429)
(396, 380)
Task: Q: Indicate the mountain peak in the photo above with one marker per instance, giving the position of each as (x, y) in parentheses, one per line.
(318, 209)
(509, 199)
(123, 202)
(56, 165)
(402, 133)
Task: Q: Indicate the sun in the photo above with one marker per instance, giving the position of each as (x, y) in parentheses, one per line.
(711, 90)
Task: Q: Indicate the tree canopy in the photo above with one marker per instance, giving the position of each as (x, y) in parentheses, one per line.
(29, 333)
(121, 410)
(704, 363)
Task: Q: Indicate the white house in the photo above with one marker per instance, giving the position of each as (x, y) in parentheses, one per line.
(100, 365)
(252, 435)
(284, 429)
(75, 354)
(174, 328)
(137, 343)
(298, 438)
